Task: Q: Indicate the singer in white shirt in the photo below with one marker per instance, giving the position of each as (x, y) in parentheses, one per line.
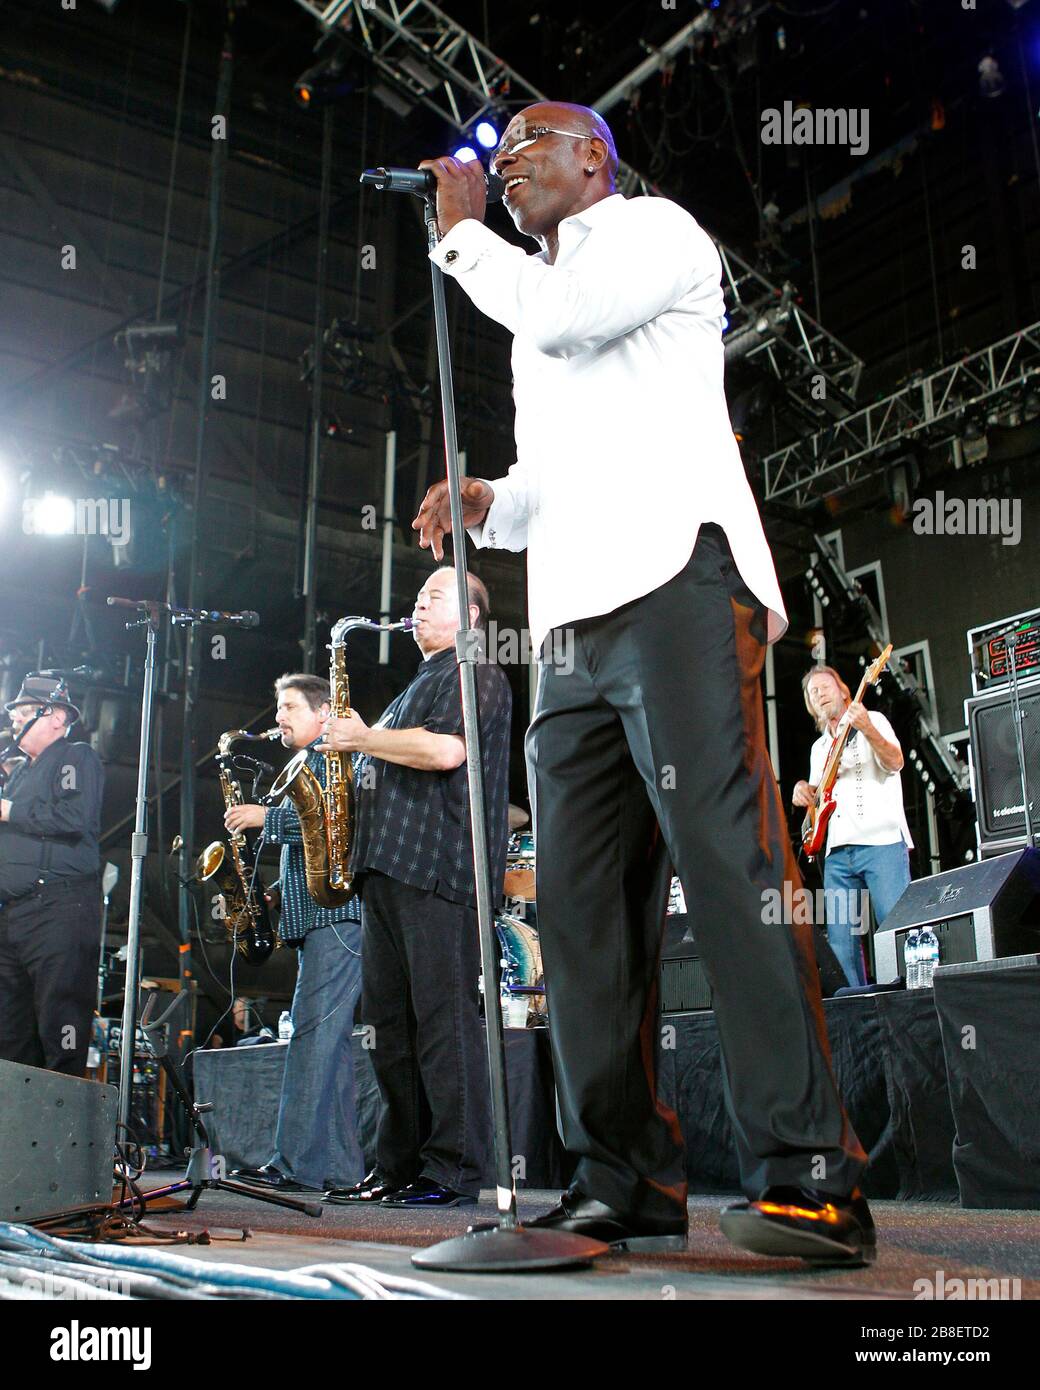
(867, 836)
(648, 749)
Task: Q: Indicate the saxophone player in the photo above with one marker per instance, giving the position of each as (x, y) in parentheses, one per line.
(316, 1144)
(413, 857)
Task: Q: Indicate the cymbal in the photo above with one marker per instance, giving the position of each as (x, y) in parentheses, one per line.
(518, 817)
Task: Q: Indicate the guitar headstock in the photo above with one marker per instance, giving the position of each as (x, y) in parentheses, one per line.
(877, 667)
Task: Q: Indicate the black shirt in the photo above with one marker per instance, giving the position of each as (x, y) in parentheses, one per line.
(414, 826)
(55, 819)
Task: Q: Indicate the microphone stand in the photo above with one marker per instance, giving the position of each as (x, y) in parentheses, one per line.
(505, 1245)
(138, 855)
(204, 1170)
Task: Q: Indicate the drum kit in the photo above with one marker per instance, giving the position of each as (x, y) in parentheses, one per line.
(517, 927)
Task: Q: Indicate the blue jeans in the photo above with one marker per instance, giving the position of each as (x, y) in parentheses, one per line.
(883, 871)
(316, 1140)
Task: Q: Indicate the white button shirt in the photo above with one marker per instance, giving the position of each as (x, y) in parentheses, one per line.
(869, 798)
(623, 438)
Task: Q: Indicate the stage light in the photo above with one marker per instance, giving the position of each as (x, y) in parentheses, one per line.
(53, 515)
(991, 79)
(323, 83)
(466, 154)
(486, 135)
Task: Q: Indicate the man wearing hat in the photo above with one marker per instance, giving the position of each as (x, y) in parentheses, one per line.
(50, 917)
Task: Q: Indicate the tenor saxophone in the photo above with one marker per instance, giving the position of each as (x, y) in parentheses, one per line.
(247, 918)
(327, 813)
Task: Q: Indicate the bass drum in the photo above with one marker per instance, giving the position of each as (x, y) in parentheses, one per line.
(522, 953)
(519, 879)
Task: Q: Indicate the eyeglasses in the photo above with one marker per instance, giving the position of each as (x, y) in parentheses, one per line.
(529, 136)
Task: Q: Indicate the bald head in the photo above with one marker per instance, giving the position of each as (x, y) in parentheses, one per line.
(570, 116)
(557, 159)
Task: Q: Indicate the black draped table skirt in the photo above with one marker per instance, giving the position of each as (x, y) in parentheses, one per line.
(888, 1057)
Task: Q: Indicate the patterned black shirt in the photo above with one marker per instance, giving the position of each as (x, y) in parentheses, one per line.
(414, 826)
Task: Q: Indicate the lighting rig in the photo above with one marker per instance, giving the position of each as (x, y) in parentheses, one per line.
(949, 406)
(426, 58)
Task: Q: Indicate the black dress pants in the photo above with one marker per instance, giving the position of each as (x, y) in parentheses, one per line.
(420, 964)
(649, 753)
(49, 947)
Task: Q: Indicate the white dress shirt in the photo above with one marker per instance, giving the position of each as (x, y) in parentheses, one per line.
(623, 439)
(869, 799)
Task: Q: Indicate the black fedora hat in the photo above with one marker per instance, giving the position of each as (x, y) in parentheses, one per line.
(44, 690)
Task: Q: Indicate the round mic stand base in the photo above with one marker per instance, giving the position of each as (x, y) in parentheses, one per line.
(494, 1249)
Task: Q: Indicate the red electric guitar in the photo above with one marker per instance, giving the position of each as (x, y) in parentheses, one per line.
(814, 827)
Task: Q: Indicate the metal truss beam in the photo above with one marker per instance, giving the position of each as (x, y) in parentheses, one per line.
(437, 63)
(928, 410)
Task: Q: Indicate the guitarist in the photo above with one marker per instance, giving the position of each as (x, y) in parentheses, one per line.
(867, 837)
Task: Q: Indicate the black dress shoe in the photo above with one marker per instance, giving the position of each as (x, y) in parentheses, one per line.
(372, 1188)
(587, 1217)
(270, 1176)
(425, 1193)
(813, 1226)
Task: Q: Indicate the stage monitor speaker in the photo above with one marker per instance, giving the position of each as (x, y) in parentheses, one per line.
(981, 911)
(684, 983)
(56, 1142)
(996, 778)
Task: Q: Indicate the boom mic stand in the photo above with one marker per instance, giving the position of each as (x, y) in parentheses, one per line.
(138, 854)
(202, 1172)
(506, 1245)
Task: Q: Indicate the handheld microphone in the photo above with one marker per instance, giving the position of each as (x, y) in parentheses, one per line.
(422, 182)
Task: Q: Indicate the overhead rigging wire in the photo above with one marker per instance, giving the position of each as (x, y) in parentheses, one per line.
(172, 180)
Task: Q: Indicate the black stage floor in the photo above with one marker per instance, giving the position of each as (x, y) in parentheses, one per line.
(917, 1240)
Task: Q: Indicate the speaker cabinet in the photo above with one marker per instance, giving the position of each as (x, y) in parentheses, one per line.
(56, 1142)
(981, 911)
(684, 985)
(996, 779)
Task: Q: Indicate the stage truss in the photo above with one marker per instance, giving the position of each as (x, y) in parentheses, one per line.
(929, 410)
(431, 60)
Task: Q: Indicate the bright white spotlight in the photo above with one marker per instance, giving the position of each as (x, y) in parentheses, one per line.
(466, 154)
(486, 135)
(53, 515)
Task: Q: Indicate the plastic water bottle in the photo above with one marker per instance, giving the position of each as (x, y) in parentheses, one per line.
(505, 999)
(912, 956)
(928, 946)
(285, 1028)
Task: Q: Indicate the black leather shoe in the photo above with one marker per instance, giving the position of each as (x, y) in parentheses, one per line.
(812, 1226)
(270, 1176)
(425, 1193)
(372, 1188)
(587, 1217)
